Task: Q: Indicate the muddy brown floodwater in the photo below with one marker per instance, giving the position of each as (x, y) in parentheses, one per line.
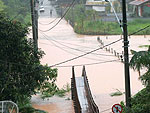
(105, 75)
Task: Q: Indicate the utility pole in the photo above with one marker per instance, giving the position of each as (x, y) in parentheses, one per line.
(36, 19)
(126, 56)
(34, 24)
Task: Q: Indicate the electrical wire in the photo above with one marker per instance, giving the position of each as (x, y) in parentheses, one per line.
(75, 48)
(69, 47)
(95, 63)
(53, 20)
(85, 53)
(74, 58)
(78, 49)
(60, 18)
(48, 23)
(139, 30)
(88, 52)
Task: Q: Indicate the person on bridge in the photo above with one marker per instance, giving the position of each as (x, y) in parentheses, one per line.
(51, 11)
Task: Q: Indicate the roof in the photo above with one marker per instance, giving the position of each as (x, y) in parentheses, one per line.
(139, 2)
(95, 3)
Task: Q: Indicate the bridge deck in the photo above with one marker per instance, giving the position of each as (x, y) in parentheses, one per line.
(82, 94)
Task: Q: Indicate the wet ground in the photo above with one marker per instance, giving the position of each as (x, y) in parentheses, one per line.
(105, 75)
(54, 104)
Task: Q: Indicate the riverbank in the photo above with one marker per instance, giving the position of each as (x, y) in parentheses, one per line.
(88, 22)
(110, 28)
(54, 104)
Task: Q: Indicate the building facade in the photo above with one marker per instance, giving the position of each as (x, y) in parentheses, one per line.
(141, 7)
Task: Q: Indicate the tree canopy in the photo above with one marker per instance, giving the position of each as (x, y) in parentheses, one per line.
(141, 101)
(2, 6)
(18, 10)
(21, 73)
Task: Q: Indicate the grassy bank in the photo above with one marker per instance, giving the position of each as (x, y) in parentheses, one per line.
(110, 28)
(88, 22)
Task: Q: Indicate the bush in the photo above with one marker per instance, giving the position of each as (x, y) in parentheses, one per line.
(140, 103)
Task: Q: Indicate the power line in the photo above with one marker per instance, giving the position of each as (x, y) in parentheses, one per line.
(60, 18)
(68, 51)
(139, 30)
(48, 23)
(85, 53)
(56, 65)
(95, 63)
(75, 48)
(88, 52)
(53, 20)
(78, 49)
(75, 58)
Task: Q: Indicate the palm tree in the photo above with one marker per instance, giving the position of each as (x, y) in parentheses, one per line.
(141, 60)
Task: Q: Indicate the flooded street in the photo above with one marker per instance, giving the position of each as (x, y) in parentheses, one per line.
(104, 70)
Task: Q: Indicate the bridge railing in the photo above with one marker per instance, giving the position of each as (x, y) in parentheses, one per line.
(93, 108)
(77, 106)
(8, 107)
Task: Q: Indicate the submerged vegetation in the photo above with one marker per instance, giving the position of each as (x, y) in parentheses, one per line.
(50, 91)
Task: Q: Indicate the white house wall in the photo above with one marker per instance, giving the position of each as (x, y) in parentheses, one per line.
(98, 8)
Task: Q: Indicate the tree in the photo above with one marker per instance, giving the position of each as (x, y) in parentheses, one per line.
(21, 73)
(18, 10)
(139, 61)
(2, 6)
(141, 100)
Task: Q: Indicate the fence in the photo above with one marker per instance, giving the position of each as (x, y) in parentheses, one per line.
(8, 107)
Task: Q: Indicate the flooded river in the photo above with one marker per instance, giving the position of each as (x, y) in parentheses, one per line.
(104, 70)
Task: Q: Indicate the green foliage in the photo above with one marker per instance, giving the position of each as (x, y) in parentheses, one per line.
(139, 61)
(20, 69)
(31, 110)
(88, 22)
(117, 93)
(18, 10)
(140, 103)
(48, 90)
(141, 46)
(62, 92)
(2, 6)
(137, 24)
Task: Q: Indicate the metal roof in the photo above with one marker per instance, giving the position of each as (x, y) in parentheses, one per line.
(139, 2)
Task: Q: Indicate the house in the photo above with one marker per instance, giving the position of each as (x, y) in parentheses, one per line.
(104, 6)
(98, 6)
(141, 7)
